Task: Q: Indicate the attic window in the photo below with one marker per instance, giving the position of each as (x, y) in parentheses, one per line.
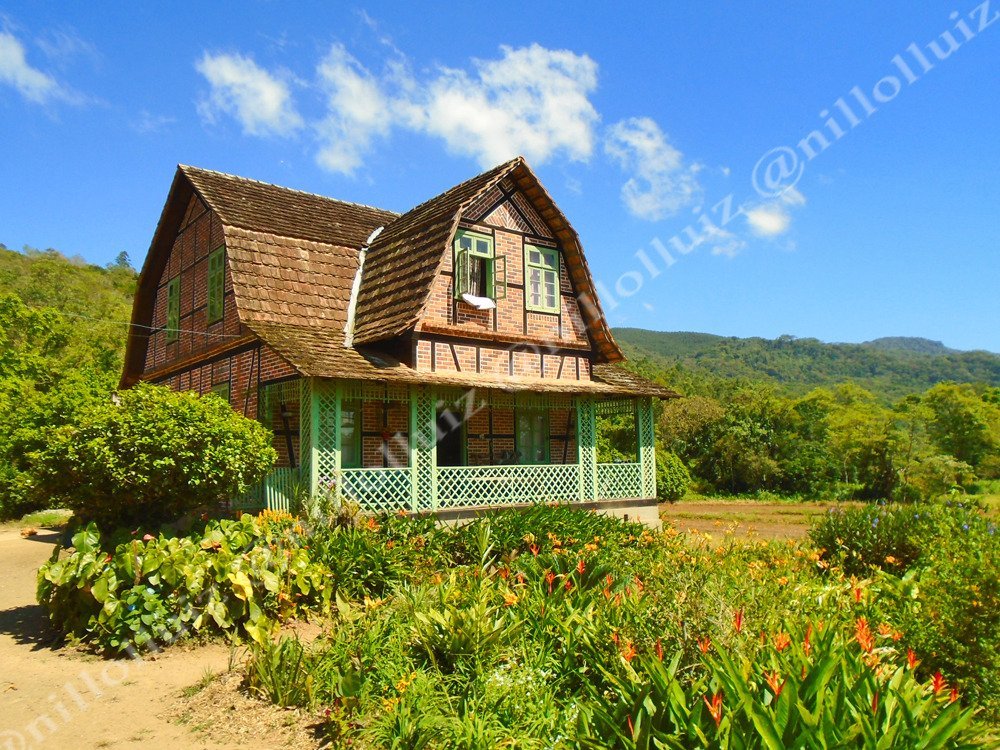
(216, 284)
(173, 309)
(541, 278)
(479, 273)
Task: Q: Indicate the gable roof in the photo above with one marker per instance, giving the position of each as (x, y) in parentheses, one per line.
(294, 257)
(405, 258)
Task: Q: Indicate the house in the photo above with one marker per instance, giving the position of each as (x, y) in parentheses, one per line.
(451, 357)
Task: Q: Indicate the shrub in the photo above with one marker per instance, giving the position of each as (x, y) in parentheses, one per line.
(150, 455)
(863, 537)
(235, 576)
(672, 477)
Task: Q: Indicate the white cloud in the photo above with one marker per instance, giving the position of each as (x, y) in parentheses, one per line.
(31, 83)
(773, 219)
(532, 101)
(260, 101)
(146, 122)
(662, 184)
(358, 112)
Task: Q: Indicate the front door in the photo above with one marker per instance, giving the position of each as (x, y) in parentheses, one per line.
(450, 436)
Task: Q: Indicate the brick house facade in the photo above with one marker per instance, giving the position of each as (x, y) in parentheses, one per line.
(452, 356)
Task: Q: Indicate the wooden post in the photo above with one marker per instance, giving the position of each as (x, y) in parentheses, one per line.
(423, 449)
(647, 444)
(586, 420)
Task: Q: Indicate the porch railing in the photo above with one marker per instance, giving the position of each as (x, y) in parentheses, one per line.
(619, 480)
(467, 486)
(276, 492)
(377, 489)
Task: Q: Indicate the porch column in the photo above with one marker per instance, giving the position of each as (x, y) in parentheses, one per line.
(586, 440)
(423, 449)
(308, 435)
(645, 427)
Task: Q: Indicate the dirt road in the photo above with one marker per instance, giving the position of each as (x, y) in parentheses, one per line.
(54, 697)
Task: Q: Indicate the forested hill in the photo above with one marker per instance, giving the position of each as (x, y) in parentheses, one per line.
(889, 367)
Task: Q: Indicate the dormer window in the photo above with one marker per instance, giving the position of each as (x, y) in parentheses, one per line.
(541, 282)
(480, 276)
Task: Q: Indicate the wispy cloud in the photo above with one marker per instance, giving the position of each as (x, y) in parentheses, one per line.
(260, 101)
(146, 122)
(33, 84)
(774, 218)
(662, 183)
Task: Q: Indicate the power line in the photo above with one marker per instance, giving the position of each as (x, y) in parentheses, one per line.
(139, 325)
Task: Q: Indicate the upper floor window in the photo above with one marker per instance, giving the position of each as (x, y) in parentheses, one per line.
(541, 278)
(479, 273)
(216, 284)
(173, 309)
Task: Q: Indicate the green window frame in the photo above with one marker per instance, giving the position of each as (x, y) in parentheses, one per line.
(478, 270)
(541, 279)
(531, 438)
(350, 434)
(173, 326)
(216, 284)
(221, 390)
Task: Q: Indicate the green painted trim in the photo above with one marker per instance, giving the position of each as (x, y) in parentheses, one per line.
(314, 446)
(173, 309)
(338, 436)
(646, 438)
(586, 441)
(550, 252)
(216, 285)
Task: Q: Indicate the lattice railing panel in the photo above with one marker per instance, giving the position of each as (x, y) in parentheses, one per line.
(619, 480)
(377, 489)
(306, 434)
(423, 448)
(613, 407)
(647, 445)
(328, 433)
(470, 486)
(587, 445)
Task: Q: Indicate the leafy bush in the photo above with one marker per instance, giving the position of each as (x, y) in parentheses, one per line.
(151, 455)
(863, 537)
(672, 477)
(235, 576)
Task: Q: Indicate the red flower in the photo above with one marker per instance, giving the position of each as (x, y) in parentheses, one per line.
(714, 707)
(704, 644)
(938, 683)
(953, 696)
(875, 703)
(659, 650)
(911, 658)
(550, 578)
(857, 594)
(738, 620)
(774, 682)
(580, 567)
(863, 635)
(782, 641)
(806, 645)
(631, 728)
(628, 652)
(534, 549)
(569, 584)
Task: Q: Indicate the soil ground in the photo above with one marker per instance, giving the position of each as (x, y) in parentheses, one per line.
(52, 695)
(743, 518)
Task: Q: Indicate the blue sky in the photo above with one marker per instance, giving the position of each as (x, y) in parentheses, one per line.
(689, 144)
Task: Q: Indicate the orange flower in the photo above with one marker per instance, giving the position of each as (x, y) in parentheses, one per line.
(510, 599)
(714, 707)
(863, 635)
(953, 696)
(782, 641)
(875, 703)
(911, 658)
(580, 567)
(774, 682)
(569, 584)
(887, 631)
(806, 645)
(937, 682)
(550, 578)
(738, 620)
(534, 549)
(783, 581)
(614, 637)
(659, 649)
(628, 652)
(505, 573)
(857, 594)
(704, 644)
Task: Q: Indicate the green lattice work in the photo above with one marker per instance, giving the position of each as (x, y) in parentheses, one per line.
(472, 486)
(586, 421)
(308, 434)
(647, 444)
(619, 480)
(276, 492)
(499, 399)
(377, 489)
(613, 407)
(326, 451)
(423, 449)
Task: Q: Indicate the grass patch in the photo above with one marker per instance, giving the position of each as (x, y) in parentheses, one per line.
(52, 518)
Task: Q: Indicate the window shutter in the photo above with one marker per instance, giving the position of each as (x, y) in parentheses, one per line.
(462, 273)
(216, 282)
(173, 309)
(500, 277)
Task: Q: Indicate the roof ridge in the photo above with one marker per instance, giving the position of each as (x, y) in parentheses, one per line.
(185, 167)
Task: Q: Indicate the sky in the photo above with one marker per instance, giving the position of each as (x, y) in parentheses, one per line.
(758, 169)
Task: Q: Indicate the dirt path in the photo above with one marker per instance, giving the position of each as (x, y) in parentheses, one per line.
(743, 518)
(60, 697)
